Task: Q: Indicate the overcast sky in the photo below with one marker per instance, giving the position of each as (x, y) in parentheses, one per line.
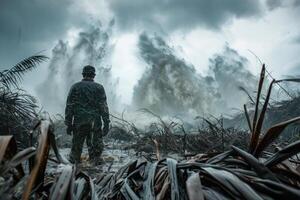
(196, 28)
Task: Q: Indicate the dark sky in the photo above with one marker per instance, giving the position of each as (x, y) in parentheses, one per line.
(270, 28)
(30, 26)
(27, 27)
(182, 15)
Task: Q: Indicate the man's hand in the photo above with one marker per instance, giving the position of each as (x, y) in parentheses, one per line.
(70, 130)
(105, 129)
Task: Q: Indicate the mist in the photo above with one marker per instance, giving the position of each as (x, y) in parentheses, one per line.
(169, 86)
(92, 47)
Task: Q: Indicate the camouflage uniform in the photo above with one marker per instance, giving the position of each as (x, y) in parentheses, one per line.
(86, 106)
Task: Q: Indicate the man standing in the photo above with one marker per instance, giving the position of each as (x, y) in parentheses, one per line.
(85, 108)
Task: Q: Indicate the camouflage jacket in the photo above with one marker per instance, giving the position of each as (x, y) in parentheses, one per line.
(86, 103)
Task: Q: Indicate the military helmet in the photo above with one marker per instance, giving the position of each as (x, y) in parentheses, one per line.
(89, 70)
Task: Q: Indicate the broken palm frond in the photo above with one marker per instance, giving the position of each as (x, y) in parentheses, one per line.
(37, 173)
(238, 175)
(254, 122)
(31, 182)
(17, 108)
(258, 124)
(14, 75)
(257, 146)
(272, 134)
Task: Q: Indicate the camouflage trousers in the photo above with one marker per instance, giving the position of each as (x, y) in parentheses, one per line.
(93, 140)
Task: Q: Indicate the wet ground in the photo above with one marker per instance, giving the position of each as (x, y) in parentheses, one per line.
(114, 156)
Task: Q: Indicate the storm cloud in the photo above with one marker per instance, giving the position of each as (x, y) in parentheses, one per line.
(177, 14)
(199, 27)
(274, 4)
(27, 27)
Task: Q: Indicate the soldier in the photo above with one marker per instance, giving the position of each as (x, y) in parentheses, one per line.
(85, 108)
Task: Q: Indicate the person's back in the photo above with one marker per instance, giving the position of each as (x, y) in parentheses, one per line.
(88, 101)
(86, 107)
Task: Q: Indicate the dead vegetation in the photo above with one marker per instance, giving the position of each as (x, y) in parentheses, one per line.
(249, 173)
(173, 138)
(17, 108)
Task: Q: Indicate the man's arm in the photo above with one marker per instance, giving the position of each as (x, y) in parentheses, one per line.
(104, 111)
(69, 111)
